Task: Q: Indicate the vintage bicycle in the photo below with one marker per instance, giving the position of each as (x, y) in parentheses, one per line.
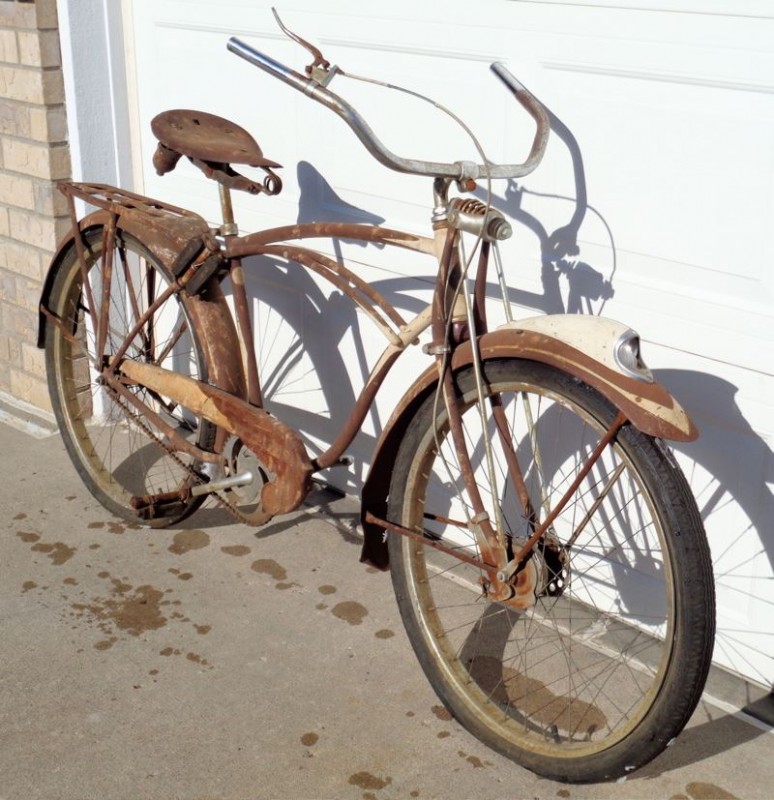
(547, 555)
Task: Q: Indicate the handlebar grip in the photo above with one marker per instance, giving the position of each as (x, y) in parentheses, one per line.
(268, 64)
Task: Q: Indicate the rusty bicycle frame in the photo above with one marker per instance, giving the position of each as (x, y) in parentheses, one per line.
(199, 257)
(449, 326)
(548, 560)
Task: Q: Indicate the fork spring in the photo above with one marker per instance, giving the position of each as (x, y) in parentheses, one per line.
(469, 205)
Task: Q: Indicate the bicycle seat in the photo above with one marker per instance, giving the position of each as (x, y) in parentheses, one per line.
(212, 143)
(208, 137)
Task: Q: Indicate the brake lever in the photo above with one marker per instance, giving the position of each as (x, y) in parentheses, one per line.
(320, 70)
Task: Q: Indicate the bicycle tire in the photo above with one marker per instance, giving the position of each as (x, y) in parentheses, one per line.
(605, 669)
(118, 451)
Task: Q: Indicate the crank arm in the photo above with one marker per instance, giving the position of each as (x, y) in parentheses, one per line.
(226, 483)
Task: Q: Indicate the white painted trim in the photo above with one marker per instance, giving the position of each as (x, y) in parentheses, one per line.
(132, 126)
(93, 66)
(66, 46)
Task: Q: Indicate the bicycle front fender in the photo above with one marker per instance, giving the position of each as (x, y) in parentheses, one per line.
(604, 354)
(209, 309)
(598, 351)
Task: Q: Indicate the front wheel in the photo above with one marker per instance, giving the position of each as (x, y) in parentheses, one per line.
(607, 665)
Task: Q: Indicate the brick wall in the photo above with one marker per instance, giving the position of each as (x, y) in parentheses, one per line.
(33, 156)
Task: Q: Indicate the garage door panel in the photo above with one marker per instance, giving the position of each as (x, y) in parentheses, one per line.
(664, 174)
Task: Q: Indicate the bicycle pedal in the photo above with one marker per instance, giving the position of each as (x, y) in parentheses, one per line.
(157, 507)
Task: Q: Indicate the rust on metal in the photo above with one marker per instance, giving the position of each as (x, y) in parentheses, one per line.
(481, 526)
(360, 292)
(172, 433)
(218, 339)
(197, 134)
(212, 144)
(151, 502)
(320, 62)
(245, 328)
(649, 407)
(281, 448)
(80, 252)
(56, 320)
(515, 473)
(335, 230)
(165, 229)
(359, 412)
(610, 434)
(121, 201)
(523, 588)
(436, 545)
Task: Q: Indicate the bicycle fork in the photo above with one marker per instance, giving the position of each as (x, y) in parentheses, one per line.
(449, 329)
(511, 577)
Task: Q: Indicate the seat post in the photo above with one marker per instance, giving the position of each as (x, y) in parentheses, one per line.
(241, 303)
(229, 227)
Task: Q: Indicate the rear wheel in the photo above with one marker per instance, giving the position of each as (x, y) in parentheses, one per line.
(608, 663)
(117, 449)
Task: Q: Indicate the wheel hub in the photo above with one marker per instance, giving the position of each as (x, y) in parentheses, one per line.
(555, 566)
(546, 573)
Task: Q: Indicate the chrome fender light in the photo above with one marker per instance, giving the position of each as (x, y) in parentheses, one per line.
(626, 352)
(610, 343)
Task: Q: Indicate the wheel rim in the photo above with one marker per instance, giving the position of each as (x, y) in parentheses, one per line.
(118, 449)
(579, 671)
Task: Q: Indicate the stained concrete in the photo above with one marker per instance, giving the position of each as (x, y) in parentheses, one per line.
(220, 661)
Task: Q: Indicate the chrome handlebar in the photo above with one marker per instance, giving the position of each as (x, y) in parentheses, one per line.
(460, 170)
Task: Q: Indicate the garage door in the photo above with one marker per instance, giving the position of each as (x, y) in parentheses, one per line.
(654, 206)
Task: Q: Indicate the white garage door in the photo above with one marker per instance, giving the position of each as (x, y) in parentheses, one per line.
(654, 206)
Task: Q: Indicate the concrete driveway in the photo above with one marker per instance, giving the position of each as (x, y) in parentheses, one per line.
(220, 661)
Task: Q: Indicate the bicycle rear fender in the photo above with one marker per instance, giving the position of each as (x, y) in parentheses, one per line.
(208, 309)
(601, 352)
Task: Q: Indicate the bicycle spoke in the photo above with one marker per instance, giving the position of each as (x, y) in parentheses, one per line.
(575, 668)
(122, 450)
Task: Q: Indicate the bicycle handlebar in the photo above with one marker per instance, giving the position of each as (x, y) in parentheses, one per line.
(459, 170)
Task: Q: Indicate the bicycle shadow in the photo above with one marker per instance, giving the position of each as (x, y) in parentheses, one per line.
(699, 742)
(322, 501)
(570, 285)
(727, 469)
(322, 319)
(728, 464)
(515, 692)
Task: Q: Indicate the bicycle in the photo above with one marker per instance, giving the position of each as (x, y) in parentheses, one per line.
(548, 559)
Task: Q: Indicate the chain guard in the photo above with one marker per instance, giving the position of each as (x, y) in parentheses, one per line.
(194, 478)
(239, 459)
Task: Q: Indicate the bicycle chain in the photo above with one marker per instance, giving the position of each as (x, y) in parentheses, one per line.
(135, 418)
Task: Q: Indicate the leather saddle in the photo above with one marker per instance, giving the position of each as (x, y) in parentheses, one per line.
(212, 144)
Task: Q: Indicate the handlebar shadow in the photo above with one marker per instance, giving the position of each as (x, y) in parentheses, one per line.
(570, 285)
